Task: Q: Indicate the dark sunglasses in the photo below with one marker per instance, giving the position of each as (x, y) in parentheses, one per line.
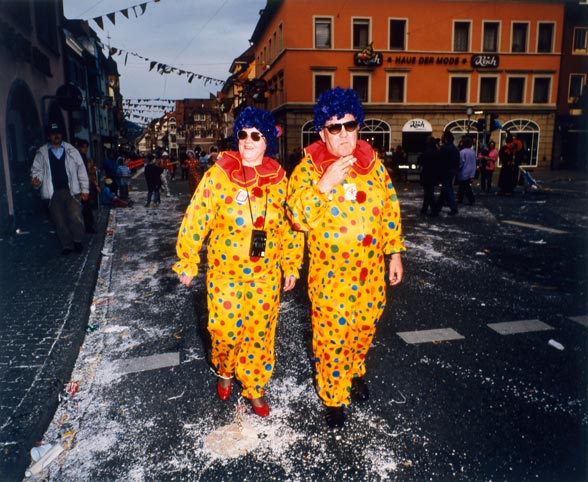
(350, 126)
(255, 136)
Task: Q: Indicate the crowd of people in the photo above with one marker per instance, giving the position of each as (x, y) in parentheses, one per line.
(444, 164)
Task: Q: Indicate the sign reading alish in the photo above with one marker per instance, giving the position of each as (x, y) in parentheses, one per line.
(485, 61)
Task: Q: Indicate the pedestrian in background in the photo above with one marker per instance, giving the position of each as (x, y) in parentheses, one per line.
(110, 165)
(341, 194)
(429, 161)
(153, 173)
(239, 208)
(448, 166)
(509, 172)
(124, 176)
(466, 172)
(163, 162)
(194, 174)
(91, 203)
(59, 173)
(488, 158)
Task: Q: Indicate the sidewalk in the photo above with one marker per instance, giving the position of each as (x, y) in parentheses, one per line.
(43, 314)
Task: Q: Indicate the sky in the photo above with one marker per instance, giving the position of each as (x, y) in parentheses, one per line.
(200, 36)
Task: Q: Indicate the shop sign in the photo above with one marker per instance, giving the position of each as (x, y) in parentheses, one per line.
(485, 61)
(417, 125)
(368, 57)
(427, 60)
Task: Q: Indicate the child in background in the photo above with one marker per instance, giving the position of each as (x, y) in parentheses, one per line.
(108, 198)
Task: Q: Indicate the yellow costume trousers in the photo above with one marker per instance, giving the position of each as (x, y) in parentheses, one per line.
(242, 323)
(344, 320)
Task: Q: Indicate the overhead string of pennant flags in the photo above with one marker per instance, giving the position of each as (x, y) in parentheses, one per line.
(161, 68)
(137, 109)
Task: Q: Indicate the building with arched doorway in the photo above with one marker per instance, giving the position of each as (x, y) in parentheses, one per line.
(416, 74)
(30, 53)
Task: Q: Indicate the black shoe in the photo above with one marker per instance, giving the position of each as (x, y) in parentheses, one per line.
(335, 416)
(66, 251)
(359, 390)
(79, 247)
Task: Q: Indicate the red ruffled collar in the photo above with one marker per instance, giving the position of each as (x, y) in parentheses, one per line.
(322, 158)
(268, 172)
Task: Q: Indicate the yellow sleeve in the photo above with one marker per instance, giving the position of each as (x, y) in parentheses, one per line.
(393, 241)
(306, 203)
(196, 225)
(292, 247)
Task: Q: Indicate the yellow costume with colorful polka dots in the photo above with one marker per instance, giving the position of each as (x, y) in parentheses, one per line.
(243, 291)
(349, 232)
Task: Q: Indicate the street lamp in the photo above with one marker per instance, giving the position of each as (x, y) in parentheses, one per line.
(469, 112)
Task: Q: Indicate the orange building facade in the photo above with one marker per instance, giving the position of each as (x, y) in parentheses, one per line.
(420, 67)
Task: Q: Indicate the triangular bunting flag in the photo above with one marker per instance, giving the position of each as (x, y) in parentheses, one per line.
(153, 62)
(125, 12)
(99, 22)
(143, 8)
(111, 17)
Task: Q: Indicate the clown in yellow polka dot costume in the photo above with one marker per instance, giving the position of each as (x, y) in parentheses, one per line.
(243, 192)
(341, 194)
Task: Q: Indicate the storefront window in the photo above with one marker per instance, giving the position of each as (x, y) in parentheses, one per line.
(528, 132)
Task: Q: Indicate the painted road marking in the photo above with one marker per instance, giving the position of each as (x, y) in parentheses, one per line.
(145, 363)
(523, 326)
(583, 320)
(429, 336)
(538, 227)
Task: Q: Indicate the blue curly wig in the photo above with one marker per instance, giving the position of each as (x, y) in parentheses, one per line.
(337, 102)
(264, 122)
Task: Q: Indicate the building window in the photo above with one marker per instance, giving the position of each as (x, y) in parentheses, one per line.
(397, 34)
(459, 90)
(488, 90)
(545, 38)
(322, 83)
(323, 33)
(461, 36)
(519, 37)
(541, 87)
(361, 33)
(577, 83)
(580, 40)
(361, 85)
(516, 90)
(490, 40)
(396, 89)
(280, 38)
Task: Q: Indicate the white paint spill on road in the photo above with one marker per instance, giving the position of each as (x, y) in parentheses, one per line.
(538, 227)
(522, 326)
(430, 336)
(146, 363)
(582, 320)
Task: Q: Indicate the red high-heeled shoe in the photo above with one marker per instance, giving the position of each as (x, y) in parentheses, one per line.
(223, 392)
(262, 411)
